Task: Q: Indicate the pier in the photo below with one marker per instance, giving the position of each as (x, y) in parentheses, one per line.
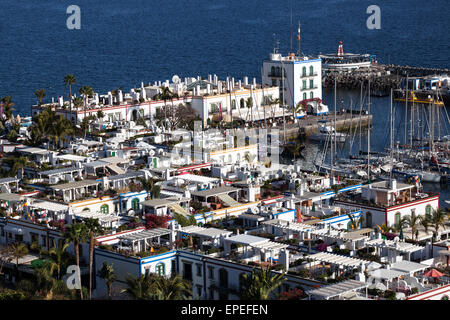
(310, 124)
(382, 77)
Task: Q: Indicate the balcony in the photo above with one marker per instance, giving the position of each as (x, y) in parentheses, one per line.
(309, 74)
(302, 88)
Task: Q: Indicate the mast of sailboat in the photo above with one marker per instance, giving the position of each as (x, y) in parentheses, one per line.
(360, 116)
(283, 103)
(392, 139)
(335, 110)
(406, 109)
(412, 121)
(368, 133)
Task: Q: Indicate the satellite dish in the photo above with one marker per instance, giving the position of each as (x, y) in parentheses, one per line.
(151, 152)
(176, 79)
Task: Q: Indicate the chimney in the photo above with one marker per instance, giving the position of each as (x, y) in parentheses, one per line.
(209, 78)
(245, 80)
(240, 84)
(208, 88)
(254, 82)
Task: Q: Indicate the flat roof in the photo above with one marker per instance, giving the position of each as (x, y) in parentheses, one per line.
(32, 150)
(196, 178)
(126, 175)
(10, 197)
(205, 232)
(9, 180)
(408, 266)
(145, 234)
(76, 184)
(115, 160)
(60, 171)
(71, 157)
(247, 239)
(51, 206)
(387, 274)
(163, 202)
(337, 259)
(214, 191)
(337, 289)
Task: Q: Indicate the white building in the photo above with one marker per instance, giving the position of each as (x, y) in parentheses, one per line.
(302, 79)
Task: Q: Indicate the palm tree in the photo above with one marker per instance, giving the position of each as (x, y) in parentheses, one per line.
(68, 81)
(40, 94)
(7, 107)
(355, 223)
(18, 164)
(384, 228)
(273, 102)
(173, 288)
(260, 284)
(19, 250)
(250, 107)
(437, 220)
(165, 95)
(141, 288)
(93, 227)
(147, 184)
(76, 234)
(106, 272)
(402, 224)
(424, 221)
(61, 129)
(413, 222)
(86, 92)
(57, 252)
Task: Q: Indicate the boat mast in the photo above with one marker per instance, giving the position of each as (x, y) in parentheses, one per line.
(335, 135)
(412, 121)
(392, 138)
(406, 110)
(368, 133)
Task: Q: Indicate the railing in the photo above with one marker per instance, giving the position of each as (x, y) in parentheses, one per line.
(304, 75)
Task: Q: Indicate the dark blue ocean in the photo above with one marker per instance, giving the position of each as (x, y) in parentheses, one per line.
(122, 43)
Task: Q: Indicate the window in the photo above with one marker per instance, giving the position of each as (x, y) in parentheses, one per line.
(233, 104)
(104, 209)
(242, 103)
(214, 107)
(272, 71)
(311, 71)
(199, 290)
(444, 297)
(369, 219)
(161, 269)
(304, 72)
(304, 84)
(241, 280)
(187, 271)
(147, 269)
(211, 273)
(199, 270)
(428, 211)
(397, 218)
(135, 204)
(223, 278)
(311, 95)
(304, 96)
(174, 267)
(311, 83)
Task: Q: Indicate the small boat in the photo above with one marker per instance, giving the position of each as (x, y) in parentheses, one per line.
(328, 132)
